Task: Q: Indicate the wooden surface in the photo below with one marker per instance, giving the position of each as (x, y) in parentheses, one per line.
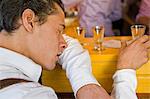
(103, 65)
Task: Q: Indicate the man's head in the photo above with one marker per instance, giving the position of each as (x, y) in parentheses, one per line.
(33, 28)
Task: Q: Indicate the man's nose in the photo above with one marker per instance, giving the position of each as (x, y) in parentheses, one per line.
(62, 44)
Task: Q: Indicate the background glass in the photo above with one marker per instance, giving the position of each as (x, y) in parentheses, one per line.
(137, 31)
(98, 36)
(80, 34)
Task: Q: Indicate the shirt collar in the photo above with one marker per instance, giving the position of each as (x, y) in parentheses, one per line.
(22, 63)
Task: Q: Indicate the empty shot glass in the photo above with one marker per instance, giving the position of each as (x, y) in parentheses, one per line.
(137, 31)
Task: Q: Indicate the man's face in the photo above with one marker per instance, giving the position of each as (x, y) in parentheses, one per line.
(47, 41)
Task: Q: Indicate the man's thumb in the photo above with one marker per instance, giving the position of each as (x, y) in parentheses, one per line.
(123, 44)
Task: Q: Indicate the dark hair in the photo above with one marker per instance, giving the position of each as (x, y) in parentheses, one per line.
(11, 11)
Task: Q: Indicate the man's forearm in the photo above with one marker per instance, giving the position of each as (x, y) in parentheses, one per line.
(92, 91)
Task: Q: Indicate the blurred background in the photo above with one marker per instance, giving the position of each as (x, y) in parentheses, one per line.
(118, 15)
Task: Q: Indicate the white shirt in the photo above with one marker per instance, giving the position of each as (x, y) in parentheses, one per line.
(75, 60)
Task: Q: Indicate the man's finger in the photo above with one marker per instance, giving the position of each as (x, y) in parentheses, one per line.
(123, 44)
(147, 44)
(143, 39)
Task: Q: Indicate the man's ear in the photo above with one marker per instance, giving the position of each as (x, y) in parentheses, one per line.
(28, 17)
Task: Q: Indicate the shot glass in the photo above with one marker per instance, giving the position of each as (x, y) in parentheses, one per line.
(137, 31)
(80, 34)
(98, 36)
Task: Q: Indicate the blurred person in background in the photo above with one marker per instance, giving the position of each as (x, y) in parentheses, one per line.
(143, 16)
(96, 12)
(130, 10)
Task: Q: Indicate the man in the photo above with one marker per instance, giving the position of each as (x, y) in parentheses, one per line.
(96, 12)
(31, 38)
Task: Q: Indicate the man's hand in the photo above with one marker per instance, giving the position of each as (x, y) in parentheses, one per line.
(134, 55)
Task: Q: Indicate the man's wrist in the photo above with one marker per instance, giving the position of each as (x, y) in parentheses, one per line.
(125, 66)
